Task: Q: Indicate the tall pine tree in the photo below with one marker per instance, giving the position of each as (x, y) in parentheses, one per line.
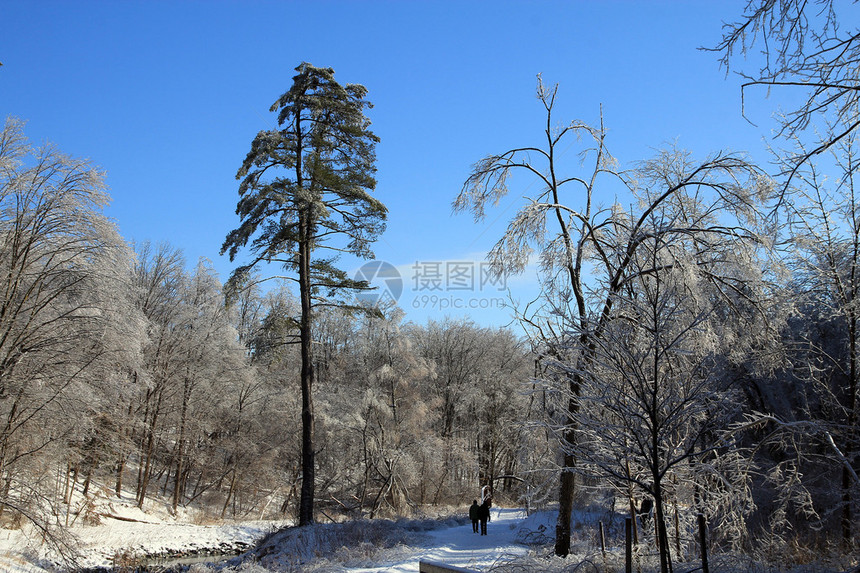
(305, 188)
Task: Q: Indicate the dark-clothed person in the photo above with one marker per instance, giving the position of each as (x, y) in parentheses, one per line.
(475, 515)
(484, 515)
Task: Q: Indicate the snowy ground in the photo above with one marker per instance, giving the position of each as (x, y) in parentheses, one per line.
(102, 545)
(149, 534)
(354, 547)
(126, 532)
(459, 547)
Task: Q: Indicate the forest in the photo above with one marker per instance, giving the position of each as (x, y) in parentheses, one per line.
(694, 343)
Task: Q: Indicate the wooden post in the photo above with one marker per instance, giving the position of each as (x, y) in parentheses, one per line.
(628, 545)
(632, 502)
(635, 522)
(602, 539)
(703, 542)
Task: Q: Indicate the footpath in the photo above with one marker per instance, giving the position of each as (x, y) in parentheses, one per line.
(459, 547)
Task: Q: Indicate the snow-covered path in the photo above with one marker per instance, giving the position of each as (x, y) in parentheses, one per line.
(459, 547)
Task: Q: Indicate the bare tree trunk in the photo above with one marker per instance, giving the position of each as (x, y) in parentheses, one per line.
(90, 467)
(147, 462)
(121, 458)
(380, 495)
(662, 533)
(566, 490)
(847, 516)
(180, 444)
(146, 472)
(567, 480)
(67, 499)
(230, 494)
(141, 447)
(366, 459)
(73, 471)
(120, 468)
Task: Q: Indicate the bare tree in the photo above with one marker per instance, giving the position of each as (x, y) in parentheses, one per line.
(58, 302)
(379, 420)
(159, 278)
(653, 398)
(494, 421)
(212, 355)
(823, 250)
(806, 49)
(559, 231)
(572, 233)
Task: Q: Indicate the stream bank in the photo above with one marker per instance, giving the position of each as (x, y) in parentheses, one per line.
(164, 562)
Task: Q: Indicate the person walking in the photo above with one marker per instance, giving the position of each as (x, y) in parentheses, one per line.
(474, 515)
(484, 515)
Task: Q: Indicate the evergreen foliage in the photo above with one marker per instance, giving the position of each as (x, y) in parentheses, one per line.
(304, 188)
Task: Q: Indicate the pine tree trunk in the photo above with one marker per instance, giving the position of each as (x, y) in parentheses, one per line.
(306, 501)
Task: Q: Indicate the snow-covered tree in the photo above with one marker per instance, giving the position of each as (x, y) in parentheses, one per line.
(572, 235)
(807, 51)
(654, 410)
(823, 253)
(60, 313)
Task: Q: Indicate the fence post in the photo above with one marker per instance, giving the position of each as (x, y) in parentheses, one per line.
(703, 542)
(635, 523)
(602, 539)
(628, 545)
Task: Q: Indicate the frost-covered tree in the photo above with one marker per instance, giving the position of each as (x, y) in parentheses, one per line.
(494, 406)
(390, 427)
(60, 313)
(807, 51)
(417, 414)
(456, 350)
(159, 280)
(550, 224)
(823, 252)
(211, 358)
(305, 190)
(654, 409)
(568, 229)
(182, 415)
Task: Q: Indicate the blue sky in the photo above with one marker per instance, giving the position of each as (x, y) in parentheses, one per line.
(167, 96)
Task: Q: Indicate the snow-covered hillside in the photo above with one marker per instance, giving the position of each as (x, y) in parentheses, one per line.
(126, 534)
